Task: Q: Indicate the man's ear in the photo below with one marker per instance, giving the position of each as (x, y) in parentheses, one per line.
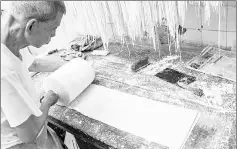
(31, 25)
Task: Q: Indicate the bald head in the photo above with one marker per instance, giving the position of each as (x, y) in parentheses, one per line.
(42, 11)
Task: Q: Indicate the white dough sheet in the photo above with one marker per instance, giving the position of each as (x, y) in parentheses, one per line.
(154, 121)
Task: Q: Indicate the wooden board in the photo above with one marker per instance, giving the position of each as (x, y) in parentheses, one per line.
(217, 63)
(157, 122)
(225, 67)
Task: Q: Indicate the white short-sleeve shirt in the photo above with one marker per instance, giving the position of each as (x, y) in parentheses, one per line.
(18, 96)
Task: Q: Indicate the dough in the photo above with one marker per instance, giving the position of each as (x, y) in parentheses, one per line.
(158, 122)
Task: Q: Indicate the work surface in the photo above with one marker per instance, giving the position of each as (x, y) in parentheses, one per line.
(215, 128)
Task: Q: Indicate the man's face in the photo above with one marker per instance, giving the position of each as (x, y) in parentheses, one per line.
(39, 33)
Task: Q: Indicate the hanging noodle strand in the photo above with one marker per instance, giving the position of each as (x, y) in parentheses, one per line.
(120, 19)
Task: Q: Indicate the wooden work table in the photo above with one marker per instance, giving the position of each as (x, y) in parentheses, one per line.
(215, 129)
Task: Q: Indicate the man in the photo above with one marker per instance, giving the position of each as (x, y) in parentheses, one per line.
(23, 123)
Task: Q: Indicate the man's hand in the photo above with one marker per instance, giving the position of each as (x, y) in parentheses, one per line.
(50, 99)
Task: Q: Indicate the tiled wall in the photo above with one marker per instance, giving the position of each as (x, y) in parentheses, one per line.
(209, 33)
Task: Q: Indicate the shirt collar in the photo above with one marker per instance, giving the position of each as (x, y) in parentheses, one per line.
(10, 54)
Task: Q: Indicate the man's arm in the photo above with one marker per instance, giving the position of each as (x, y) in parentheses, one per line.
(29, 130)
(19, 109)
(46, 64)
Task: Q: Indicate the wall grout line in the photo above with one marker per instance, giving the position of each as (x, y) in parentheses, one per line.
(208, 29)
(200, 12)
(226, 23)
